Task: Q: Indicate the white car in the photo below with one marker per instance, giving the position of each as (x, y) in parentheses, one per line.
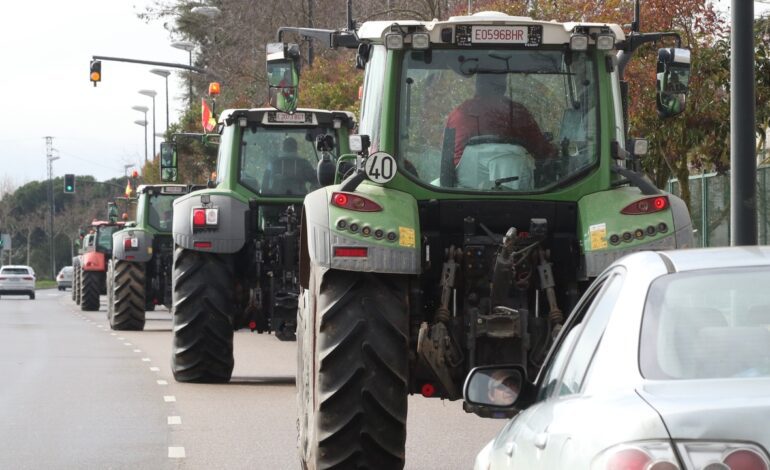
(64, 278)
(17, 280)
(663, 365)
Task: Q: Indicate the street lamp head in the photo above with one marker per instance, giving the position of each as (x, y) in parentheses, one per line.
(150, 93)
(184, 45)
(141, 122)
(207, 11)
(162, 72)
(141, 109)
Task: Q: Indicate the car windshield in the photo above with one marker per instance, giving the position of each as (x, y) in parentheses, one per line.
(104, 237)
(492, 120)
(707, 324)
(280, 162)
(161, 213)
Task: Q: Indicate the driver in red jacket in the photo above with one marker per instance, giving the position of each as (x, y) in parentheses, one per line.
(490, 112)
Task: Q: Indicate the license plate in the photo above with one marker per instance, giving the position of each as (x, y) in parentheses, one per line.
(286, 117)
(499, 35)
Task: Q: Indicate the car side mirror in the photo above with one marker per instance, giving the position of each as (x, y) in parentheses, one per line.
(494, 391)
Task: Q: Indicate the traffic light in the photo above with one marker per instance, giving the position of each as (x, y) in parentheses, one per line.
(69, 183)
(96, 71)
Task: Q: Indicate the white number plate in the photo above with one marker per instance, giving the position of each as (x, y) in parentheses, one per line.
(286, 117)
(499, 34)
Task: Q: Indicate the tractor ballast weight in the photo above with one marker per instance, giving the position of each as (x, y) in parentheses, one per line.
(477, 248)
(236, 244)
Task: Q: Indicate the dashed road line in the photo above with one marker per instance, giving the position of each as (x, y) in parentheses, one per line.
(145, 359)
(126, 344)
(162, 382)
(174, 420)
(155, 369)
(137, 350)
(176, 453)
(169, 398)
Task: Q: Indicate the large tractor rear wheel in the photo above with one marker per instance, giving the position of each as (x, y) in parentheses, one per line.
(125, 290)
(203, 294)
(352, 372)
(90, 286)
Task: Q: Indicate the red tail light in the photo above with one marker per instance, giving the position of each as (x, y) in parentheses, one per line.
(130, 243)
(629, 459)
(351, 252)
(203, 217)
(27, 278)
(202, 244)
(428, 390)
(355, 202)
(646, 206)
(3, 278)
(745, 459)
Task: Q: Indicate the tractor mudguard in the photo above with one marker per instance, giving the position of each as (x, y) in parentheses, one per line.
(93, 261)
(141, 254)
(608, 234)
(333, 236)
(229, 234)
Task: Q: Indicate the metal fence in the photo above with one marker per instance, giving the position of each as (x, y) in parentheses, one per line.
(710, 207)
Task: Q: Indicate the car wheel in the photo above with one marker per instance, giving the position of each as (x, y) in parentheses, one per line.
(32, 296)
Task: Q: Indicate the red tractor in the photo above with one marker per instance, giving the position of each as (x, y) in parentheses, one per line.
(90, 265)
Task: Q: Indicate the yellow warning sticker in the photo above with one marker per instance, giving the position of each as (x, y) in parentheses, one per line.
(406, 237)
(598, 236)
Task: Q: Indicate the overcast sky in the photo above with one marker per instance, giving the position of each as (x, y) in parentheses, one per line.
(45, 49)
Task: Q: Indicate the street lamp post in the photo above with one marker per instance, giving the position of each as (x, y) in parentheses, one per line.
(187, 46)
(151, 94)
(163, 73)
(143, 109)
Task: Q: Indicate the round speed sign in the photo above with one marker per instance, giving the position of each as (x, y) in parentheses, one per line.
(380, 167)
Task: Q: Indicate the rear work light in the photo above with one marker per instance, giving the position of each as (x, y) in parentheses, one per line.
(646, 206)
(354, 202)
(350, 252)
(205, 218)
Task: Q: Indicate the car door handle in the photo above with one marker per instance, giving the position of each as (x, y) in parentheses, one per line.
(541, 440)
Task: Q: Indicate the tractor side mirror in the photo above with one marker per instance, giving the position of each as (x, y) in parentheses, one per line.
(327, 168)
(283, 76)
(169, 172)
(673, 78)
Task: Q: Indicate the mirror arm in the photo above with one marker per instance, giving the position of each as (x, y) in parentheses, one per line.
(635, 40)
(328, 37)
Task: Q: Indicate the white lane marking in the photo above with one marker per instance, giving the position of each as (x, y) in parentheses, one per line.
(120, 338)
(113, 334)
(155, 369)
(162, 382)
(126, 344)
(145, 359)
(176, 453)
(169, 398)
(174, 420)
(137, 350)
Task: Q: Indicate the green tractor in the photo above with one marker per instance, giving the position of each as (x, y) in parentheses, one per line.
(139, 273)
(494, 181)
(236, 243)
(90, 265)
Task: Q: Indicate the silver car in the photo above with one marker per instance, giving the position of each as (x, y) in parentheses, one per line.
(17, 280)
(64, 278)
(664, 364)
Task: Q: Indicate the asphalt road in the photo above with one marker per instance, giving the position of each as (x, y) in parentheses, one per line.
(76, 395)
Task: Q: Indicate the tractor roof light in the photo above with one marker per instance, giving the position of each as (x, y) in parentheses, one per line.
(394, 41)
(605, 41)
(578, 42)
(639, 147)
(243, 121)
(420, 41)
(214, 89)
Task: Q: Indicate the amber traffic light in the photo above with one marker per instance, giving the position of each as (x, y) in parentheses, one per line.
(96, 71)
